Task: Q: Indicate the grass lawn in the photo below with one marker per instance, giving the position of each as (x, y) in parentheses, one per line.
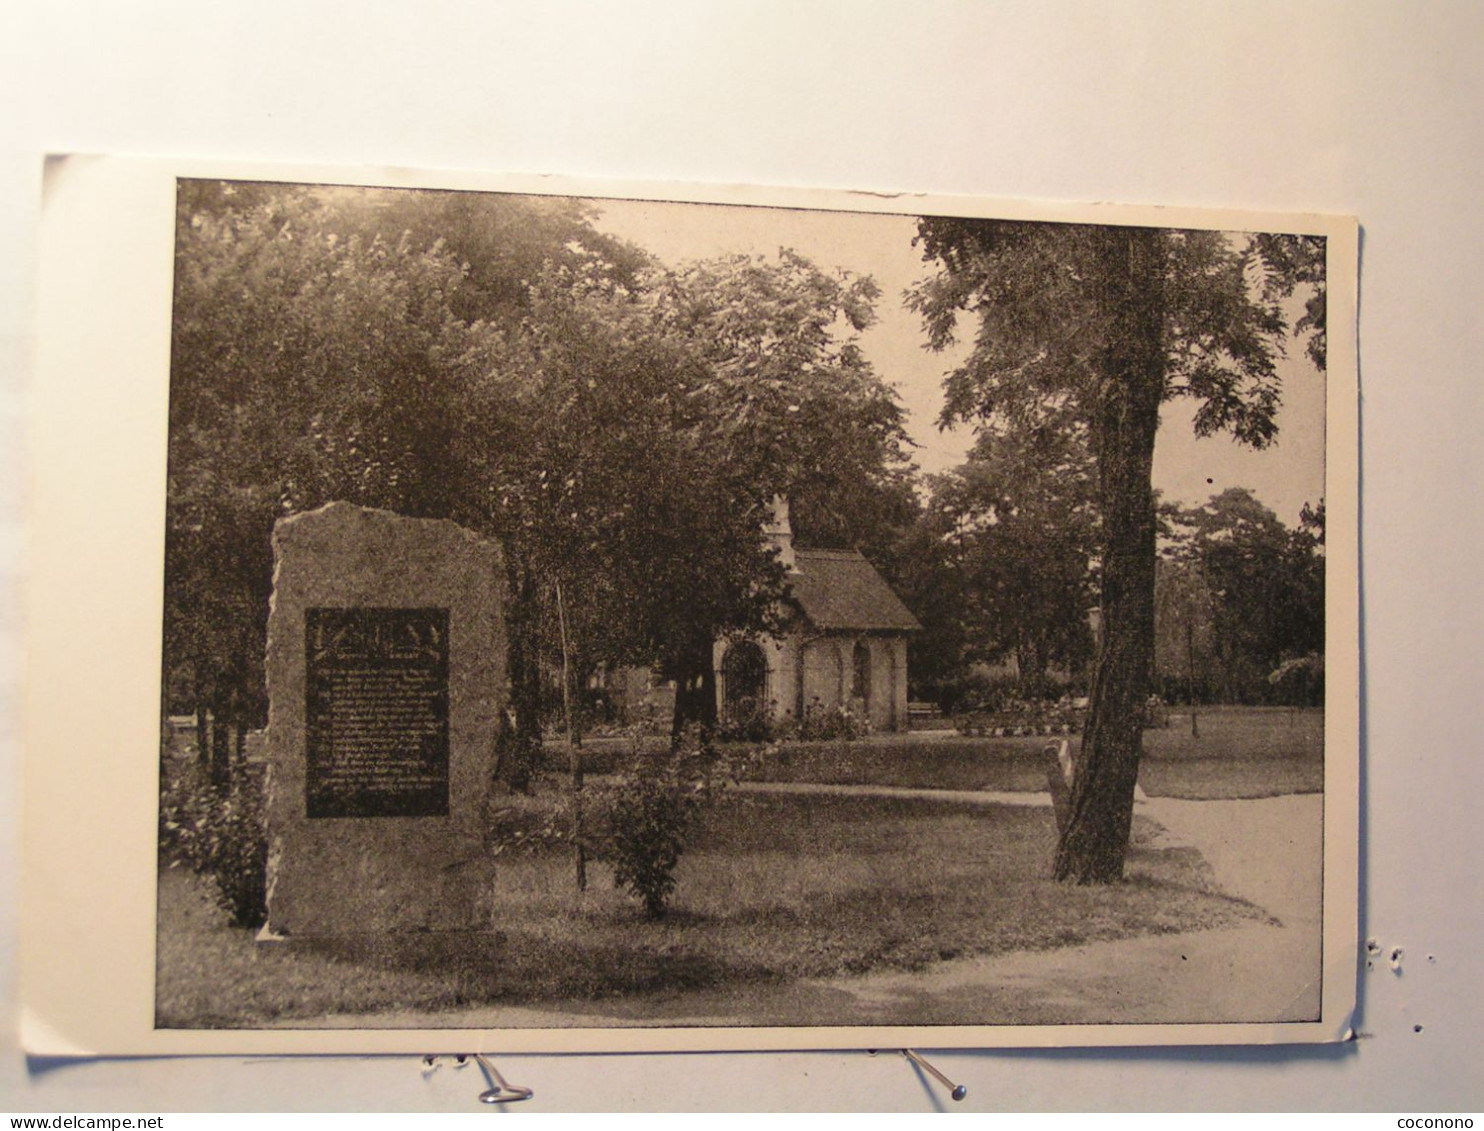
(1241, 752)
(774, 887)
(913, 761)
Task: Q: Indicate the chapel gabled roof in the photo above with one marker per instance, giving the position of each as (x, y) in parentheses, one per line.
(840, 589)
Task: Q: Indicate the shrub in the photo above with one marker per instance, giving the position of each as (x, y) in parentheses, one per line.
(649, 820)
(527, 826)
(640, 821)
(1299, 682)
(219, 831)
(751, 720)
(647, 718)
(825, 724)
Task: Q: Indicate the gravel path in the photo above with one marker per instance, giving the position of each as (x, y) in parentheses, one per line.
(1266, 851)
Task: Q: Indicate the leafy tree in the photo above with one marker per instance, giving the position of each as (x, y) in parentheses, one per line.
(1253, 590)
(330, 344)
(646, 418)
(319, 363)
(1296, 263)
(790, 401)
(1094, 328)
(305, 366)
(218, 579)
(654, 535)
(505, 246)
(495, 361)
(926, 573)
(785, 404)
(1183, 655)
(505, 243)
(1024, 541)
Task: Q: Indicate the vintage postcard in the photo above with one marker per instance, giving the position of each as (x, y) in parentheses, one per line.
(473, 611)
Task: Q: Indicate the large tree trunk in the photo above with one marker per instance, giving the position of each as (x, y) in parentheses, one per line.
(1131, 385)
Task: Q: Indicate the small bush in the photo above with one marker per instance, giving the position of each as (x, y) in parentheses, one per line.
(527, 829)
(825, 724)
(750, 720)
(219, 832)
(755, 722)
(648, 824)
(978, 692)
(646, 717)
(641, 821)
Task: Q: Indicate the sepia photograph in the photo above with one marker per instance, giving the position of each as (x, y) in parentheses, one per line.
(597, 612)
(742, 557)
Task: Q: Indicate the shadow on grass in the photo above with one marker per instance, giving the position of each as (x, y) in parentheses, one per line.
(503, 966)
(775, 888)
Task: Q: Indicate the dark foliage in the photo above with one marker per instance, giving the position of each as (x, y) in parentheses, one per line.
(218, 831)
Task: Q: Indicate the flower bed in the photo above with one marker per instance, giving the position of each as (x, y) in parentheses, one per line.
(1024, 718)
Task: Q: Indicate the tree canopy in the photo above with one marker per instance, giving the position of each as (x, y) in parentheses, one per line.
(1242, 595)
(497, 360)
(621, 427)
(1089, 329)
(1018, 521)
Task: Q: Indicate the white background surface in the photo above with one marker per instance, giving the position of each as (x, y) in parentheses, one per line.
(1368, 109)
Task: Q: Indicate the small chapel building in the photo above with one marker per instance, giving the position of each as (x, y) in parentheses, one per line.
(844, 643)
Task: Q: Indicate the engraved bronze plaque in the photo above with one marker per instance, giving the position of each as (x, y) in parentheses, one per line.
(376, 718)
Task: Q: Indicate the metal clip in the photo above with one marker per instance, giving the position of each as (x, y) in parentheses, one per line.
(957, 1091)
(500, 1090)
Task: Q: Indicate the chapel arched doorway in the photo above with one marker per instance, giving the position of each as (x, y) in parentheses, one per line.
(744, 673)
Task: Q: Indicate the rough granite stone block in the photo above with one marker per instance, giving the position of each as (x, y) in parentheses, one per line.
(386, 678)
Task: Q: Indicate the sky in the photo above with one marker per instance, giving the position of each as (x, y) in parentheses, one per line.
(1186, 470)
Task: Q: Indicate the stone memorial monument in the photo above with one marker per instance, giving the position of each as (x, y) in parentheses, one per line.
(386, 678)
